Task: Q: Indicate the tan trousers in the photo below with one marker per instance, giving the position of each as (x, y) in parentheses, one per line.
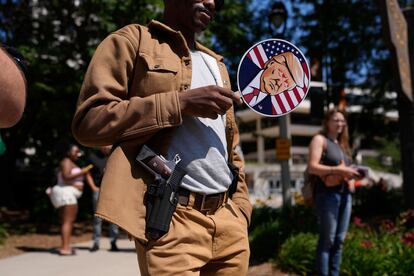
(199, 244)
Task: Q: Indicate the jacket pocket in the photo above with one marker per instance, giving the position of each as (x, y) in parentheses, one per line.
(159, 74)
(160, 64)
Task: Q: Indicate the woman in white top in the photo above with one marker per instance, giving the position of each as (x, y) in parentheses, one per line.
(65, 193)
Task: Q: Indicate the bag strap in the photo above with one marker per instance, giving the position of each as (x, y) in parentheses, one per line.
(324, 147)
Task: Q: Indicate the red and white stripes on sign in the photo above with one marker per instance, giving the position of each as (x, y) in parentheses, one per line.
(258, 56)
(283, 102)
(306, 77)
(288, 100)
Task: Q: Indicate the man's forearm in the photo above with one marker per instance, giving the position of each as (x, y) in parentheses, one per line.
(12, 91)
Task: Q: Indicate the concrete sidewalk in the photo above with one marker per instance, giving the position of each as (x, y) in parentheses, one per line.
(84, 263)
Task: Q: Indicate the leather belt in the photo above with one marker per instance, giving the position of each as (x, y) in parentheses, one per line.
(206, 204)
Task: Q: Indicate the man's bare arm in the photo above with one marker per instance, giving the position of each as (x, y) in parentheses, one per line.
(12, 91)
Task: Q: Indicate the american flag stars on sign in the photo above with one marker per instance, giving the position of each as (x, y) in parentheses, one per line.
(273, 77)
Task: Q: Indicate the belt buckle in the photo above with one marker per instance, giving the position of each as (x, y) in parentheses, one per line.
(210, 209)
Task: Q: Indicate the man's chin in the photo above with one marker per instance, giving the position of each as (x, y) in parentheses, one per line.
(200, 26)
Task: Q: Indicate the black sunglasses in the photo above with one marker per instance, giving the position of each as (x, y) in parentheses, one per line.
(218, 4)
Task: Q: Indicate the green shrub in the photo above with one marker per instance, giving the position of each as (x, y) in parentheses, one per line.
(375, 202)
(384, 250)
(360, 254)
(297, 219)
(271, 227)
(383, 253)
(3, 234)
(298, 254)
(263, 215)
(265, 241)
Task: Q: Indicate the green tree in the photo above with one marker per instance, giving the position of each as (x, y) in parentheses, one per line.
(58, 39)
(347, 38)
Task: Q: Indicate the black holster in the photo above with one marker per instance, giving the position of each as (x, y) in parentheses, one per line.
(235, 172)
(161, 201)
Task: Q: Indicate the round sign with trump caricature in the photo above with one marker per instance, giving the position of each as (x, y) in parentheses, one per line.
(273, 77)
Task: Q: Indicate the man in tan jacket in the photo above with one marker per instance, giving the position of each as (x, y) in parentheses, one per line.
(157, 86)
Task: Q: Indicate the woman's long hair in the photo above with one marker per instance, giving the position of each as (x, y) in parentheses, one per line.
(343, 137)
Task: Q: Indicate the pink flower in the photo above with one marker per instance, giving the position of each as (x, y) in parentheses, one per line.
(388, 226)
(408, 238)
(358, 222)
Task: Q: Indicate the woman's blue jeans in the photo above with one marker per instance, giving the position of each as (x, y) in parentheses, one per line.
(333, 211)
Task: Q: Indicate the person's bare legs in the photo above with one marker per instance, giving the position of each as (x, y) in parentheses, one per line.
(68, 215)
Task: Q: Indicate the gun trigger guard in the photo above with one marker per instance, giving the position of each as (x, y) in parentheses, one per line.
(177, 159)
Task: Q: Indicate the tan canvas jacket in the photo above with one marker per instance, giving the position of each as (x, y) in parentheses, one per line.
(130, 97)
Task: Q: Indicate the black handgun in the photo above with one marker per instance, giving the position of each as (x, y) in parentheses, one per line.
(161, 196)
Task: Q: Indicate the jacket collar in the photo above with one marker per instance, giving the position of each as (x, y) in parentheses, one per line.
(206, 50)
(157, 25)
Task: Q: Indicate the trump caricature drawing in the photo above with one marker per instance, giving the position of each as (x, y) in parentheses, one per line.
(273, 77)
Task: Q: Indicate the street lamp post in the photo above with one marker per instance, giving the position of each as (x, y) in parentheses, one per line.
(277, 19)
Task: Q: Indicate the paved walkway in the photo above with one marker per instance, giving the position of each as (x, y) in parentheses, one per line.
(84, 263)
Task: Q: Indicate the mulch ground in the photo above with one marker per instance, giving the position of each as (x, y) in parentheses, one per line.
(24, 236)
(19, 244)
(26, 241)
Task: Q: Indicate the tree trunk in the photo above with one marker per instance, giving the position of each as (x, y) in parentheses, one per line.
(406, 115)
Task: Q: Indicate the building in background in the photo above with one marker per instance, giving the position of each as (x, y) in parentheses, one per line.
(258, 136)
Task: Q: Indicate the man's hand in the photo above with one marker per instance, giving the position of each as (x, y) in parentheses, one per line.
(95, 189)
(207, 102)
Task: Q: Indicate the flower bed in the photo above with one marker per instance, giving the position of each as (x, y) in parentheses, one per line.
(384, 250)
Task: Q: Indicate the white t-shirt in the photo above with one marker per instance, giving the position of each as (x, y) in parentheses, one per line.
(201, 142)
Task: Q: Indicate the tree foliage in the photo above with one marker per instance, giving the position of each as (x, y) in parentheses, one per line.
(58, 38)
(347, 38)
